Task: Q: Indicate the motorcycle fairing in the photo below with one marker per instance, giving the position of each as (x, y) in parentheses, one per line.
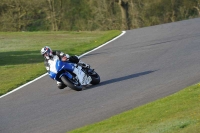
(56, 68)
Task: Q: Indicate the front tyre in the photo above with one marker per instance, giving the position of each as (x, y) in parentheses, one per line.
(95, 77)
(71, 83)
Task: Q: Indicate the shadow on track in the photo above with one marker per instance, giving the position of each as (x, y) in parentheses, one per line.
(20, 57)
(120, 79)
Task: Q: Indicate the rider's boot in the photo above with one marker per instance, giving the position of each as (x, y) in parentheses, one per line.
(84, 65)
(61, 85)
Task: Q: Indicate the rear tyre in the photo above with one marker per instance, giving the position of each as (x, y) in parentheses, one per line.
(75, 85)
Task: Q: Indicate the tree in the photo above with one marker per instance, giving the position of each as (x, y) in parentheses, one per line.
(54, 15)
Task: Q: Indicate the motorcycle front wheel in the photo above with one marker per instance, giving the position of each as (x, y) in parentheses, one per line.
(95, 77)
(75, 85)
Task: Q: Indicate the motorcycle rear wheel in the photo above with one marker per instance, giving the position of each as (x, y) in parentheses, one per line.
(71, 83)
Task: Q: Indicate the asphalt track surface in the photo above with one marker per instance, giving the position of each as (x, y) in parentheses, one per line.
(141, 66)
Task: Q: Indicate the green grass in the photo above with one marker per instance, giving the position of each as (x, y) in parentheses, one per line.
(20, 59)
(178, 113)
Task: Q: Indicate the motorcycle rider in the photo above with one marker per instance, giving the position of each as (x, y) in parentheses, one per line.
(48, 55)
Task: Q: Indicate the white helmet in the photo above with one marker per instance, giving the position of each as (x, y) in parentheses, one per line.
(46, 52)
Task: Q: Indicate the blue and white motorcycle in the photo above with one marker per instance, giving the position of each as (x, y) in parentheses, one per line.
(73, 74)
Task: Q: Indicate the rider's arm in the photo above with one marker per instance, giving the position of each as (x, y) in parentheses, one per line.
(46, 64)
(62, 56)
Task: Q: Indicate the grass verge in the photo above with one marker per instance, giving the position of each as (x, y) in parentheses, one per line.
(177, 113)
(20, 59)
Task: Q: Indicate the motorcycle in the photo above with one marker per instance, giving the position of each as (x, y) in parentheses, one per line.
(58, 71)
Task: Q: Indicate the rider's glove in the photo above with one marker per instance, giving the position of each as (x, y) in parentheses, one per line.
(64, 57)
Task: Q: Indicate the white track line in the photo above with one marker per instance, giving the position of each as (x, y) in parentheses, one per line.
(123, 32)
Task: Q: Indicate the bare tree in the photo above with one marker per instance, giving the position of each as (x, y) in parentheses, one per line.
(124, 5)
(52, 15)
(197, 7)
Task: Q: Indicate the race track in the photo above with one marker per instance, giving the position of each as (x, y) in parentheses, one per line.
(141, 66)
